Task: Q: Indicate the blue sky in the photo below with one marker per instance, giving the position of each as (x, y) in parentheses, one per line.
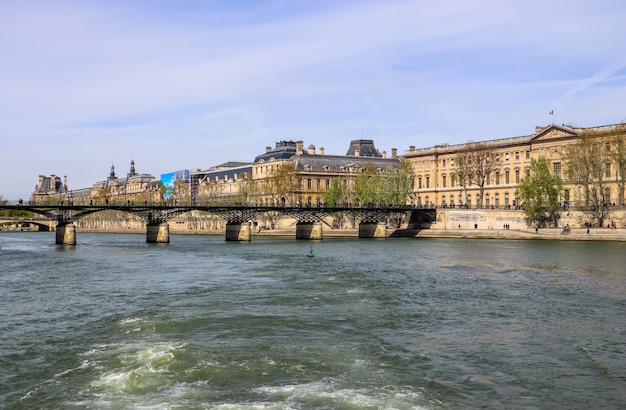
(191, 84)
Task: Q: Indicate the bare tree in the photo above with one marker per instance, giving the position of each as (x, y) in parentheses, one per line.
(618, 156)
(284, 182)
(474, 166)
(247, 187)
(588, 163)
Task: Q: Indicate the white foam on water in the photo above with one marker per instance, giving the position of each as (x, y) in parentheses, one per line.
(139, 367)
(136, 324)
(330, 394)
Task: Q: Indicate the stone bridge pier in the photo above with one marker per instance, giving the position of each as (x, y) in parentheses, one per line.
(238, 231)
(309, 230)
(157, 232)
(66, 233)
(372, 230)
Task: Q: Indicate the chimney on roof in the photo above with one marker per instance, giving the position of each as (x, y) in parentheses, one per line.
(357, 152)
(394, 153)
(311, 149)
(384, 154)
(411, 147)
(268, 149)
(299, 147)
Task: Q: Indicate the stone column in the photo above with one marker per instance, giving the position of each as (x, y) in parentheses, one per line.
(66, 234)
(158, 233)
(309, 230)
(372, 230)
(238, 231)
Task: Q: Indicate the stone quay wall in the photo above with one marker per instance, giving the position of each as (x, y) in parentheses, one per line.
(450, 223)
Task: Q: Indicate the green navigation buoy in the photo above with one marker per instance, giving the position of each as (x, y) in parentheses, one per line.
(310, 255)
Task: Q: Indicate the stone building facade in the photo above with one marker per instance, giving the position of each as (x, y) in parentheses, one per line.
(437, 184)
(50, 189)
(219, 184)
(133, 188)
(314, 170)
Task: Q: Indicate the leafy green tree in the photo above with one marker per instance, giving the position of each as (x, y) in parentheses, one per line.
(398, 183)
(336, 193)
(368, 188)
(180, 192)
(539, 193)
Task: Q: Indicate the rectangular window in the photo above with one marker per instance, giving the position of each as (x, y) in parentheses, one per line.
(419, 183)
(452, 180)
(517, 156)
(527, 154)
(427, 182)
(497, 178)
(557, 169)
(517, 176)
(607, 170)
(507, 177)
(443, 181)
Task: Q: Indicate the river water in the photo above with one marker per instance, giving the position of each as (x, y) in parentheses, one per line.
(201, 323)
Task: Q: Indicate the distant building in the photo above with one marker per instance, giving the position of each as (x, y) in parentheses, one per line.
(50, 189)
(134, 188)
(175, 185)
(315, 170)
(436, 173)
(220, 183)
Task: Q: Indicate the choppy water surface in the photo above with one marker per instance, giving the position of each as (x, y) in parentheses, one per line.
(366, 324)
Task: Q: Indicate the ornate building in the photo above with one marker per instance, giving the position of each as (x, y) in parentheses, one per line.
(50, 189)
(218, 184)
(134, 188)
(437, 181)
(314, 170)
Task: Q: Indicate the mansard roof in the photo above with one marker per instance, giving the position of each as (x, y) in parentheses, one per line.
(224, 171)
(50, 184)
(286, 150)
(366, 148)
(280, 152)
(338, 163)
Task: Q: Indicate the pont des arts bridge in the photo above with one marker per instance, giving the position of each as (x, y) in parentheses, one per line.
(309, 220)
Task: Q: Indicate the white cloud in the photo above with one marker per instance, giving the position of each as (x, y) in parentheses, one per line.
(104, 81)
